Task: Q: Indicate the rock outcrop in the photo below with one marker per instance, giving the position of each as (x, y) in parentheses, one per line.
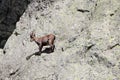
(10, 12)
(87, 42)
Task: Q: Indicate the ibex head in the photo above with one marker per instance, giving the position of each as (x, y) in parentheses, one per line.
(32, 36)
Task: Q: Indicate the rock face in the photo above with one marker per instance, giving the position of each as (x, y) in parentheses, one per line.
(10, 12)
(87, 42)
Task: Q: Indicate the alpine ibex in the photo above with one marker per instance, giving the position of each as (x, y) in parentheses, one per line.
(47, 40)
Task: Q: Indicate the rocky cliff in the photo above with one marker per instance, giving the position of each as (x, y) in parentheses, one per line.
(10, 12)
(87, 41)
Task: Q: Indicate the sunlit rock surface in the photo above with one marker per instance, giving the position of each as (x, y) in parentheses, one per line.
(87, 42)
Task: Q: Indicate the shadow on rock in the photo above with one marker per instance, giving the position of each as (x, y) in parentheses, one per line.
(47, 51)
(10, 13)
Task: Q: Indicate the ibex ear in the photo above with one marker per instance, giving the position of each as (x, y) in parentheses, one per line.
(32, 33)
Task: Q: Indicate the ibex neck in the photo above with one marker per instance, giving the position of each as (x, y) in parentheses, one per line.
(35, 39)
